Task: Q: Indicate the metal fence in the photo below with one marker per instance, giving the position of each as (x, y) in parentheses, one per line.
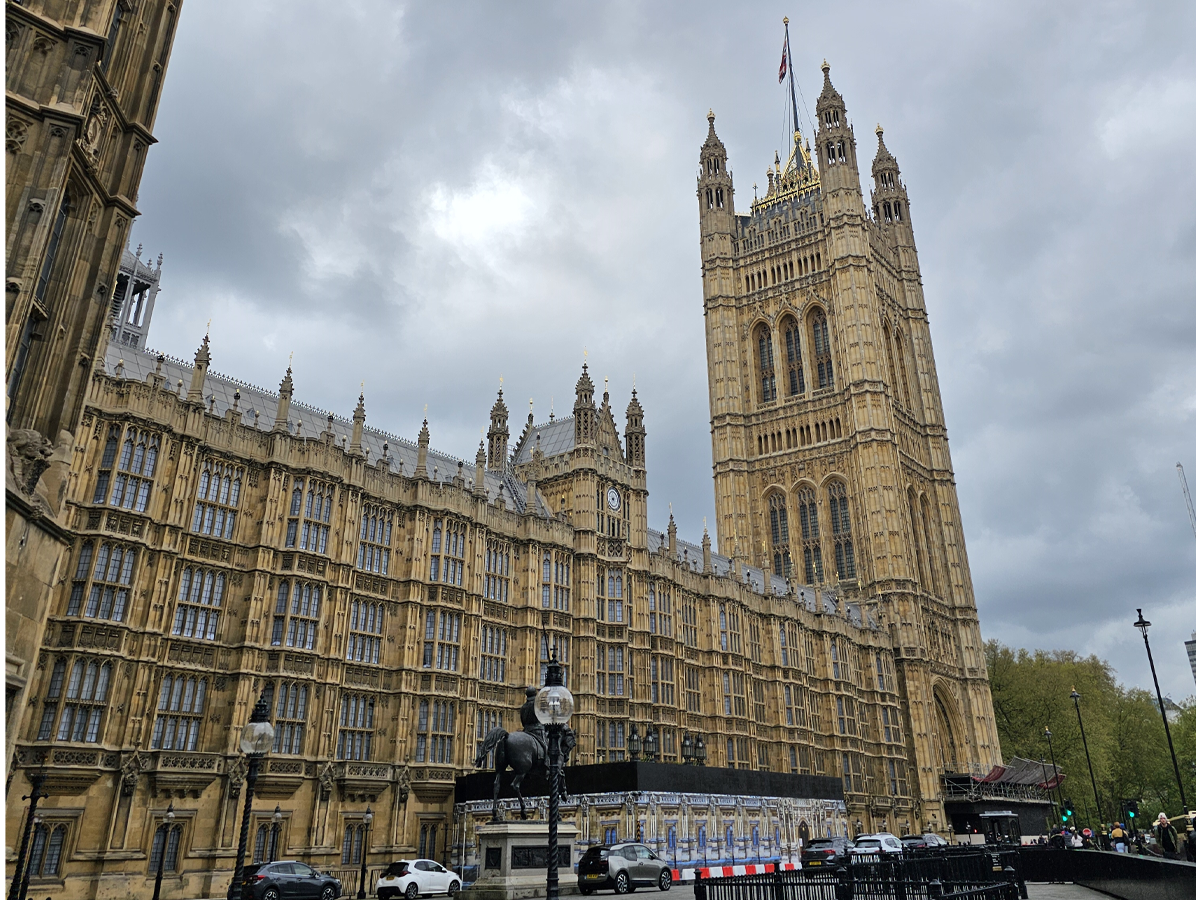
(949, 875)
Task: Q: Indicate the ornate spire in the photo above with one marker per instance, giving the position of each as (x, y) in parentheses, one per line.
(480, 467)
(497, 435)
(706, 546)
(195, 392)
(360, 416)
(422, 450)
(635, 433)
(585, 409)
(285, 402)
(671, 548)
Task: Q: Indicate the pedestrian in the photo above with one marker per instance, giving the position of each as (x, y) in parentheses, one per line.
(1118, 837)
(1167, 837)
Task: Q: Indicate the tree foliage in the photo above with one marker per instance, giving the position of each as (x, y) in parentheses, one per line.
(1125, 736)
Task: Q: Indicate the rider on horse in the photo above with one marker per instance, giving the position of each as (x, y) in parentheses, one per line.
(530, 724)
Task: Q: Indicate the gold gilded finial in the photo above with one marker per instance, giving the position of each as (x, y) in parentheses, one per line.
(208, 327)
(785, 20)
(501, 381)
(585, 354)
(425, 411)
(290, 358)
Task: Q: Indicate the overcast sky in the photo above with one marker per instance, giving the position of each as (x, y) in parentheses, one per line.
(428, 197)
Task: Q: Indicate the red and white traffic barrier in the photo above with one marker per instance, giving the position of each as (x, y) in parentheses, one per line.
(686, 875)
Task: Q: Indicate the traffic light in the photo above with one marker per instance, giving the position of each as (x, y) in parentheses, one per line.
(1068, 808)
(1131, 809)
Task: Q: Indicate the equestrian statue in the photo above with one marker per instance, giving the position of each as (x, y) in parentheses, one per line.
(525, 751)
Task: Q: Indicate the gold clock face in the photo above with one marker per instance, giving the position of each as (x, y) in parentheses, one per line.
(614, 499)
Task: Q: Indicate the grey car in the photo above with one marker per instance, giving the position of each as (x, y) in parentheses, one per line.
(622, 867)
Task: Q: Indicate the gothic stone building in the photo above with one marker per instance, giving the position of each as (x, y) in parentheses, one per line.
(393, 602)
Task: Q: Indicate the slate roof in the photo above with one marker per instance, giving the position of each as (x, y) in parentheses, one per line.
(558, 437)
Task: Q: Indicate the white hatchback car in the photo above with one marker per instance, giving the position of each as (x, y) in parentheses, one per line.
(881, 845)
(412, 878)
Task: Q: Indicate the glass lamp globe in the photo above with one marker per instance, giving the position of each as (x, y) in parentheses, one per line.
(554, 705)
(257, 738)
(368, 816)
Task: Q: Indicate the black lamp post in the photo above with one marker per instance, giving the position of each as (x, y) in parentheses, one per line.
(635, 743)
(701, 751)
(688, 749)
(1049, 736)
(553, 707)
(165, 828)
(258, 736)
(20, 880)
(651, 745)
(1075, 695)
(368, 816)
(1144, 626)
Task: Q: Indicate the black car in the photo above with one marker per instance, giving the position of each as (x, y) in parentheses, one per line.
(828, 852)
(286, 880)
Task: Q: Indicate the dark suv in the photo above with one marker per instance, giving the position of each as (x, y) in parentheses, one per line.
(828, 852)
(622, 867)
(283, 880)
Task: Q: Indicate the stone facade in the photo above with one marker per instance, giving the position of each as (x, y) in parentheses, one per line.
(224, 540)
(830, 455)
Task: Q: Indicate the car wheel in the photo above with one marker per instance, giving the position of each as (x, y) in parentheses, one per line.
(271, 894)
(664, 880)
(453, 889)
(329, 893)
(412, 891)
(622, 884)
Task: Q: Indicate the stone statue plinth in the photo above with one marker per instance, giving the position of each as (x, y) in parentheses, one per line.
(512, 860)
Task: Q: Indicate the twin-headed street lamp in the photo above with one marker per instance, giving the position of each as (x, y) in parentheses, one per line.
(643, 748)
(553, 707)
(694, 751)
(258, 736)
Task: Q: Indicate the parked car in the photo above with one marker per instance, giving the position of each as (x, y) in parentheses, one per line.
(622, 867)
(287, 879)
(928, 841)
(882, 844)
(412, 878)
(829, 852)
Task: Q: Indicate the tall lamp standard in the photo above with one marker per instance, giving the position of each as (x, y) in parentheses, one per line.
(1144, 626)
(1075, 695)
(1049, 736)
(165, 830)
(20, 875)
(368, 816)
(553, 707)
(258, 736)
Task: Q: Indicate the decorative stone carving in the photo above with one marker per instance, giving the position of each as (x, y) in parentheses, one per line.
(28, 457)
(327, 780)
(131, 769)
(403, 784)
(93, 131)
(15, 133)
(236, 771)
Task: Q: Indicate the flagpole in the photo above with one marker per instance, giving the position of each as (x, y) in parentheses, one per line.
(787, 46)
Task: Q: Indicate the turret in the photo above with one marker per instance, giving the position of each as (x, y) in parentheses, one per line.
(836, 152)
(422, 450)
(497, 436)
(480, 465)
(714, 192)
(889, 198)
(671, 535)
(635, 434)
(285, 403)
(706, 546)
(360, 416)
(585, 410)
(195, 392)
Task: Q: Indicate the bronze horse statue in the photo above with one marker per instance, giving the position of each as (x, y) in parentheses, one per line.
(524, 752)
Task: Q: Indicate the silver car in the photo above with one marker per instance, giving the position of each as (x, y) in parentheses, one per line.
(622, 867)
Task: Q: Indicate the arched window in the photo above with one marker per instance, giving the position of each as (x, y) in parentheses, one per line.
(352, 844)
(843, 541)
(180, 713)
(166, 841)
(891, 363)
(931, 549)
(198, 610)
(291, 714)
(918, 544)
(901, 359)
(766, 363)
(810, 536)
(296, 626)
(821, 350)
(86, 700)
(795, 369)
(780, 541)
(356, 727)
(45, 854)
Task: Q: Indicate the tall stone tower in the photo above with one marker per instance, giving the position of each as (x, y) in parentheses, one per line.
(830, 460)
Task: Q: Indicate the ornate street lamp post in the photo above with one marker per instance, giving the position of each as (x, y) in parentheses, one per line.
(553, 707)
(635, 743)
(1049, 736)
(701, 751)
(20, 880)
(258, 736)
(651, 745)
(1075, 695)
(688, 749)
(165, 829)
(368, 816)
(1144, 626)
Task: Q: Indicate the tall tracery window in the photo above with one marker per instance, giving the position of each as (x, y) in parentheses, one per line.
(891, 362)
(180, 713)
(780, 540)
(352, 843)
(198, 611)
(296, 625)
(610, 595)
(661, 618)
(843, 540)
(810, 536)
(309, 515)
(795, 368)
(366, 628)
(447, 550)
(135, 470)
(46, 849)
(610, 670)
(375, 540)
(556, 580)
(497, 571)
(111, 581)
(493, 653)
(766, 363)
(917, 538)
(442, 633)
(435, 731)
(217, 497)
(356, 727)
(291, 715)
(85, 699)
(821, 350)
(930, 547)
(903, 368)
